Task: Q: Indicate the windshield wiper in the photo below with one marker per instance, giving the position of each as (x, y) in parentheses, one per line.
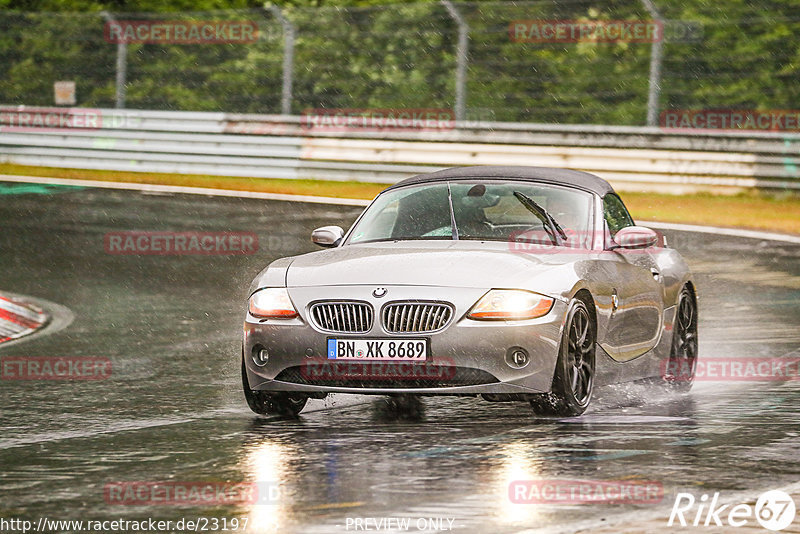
(554, 230)
(452, 213)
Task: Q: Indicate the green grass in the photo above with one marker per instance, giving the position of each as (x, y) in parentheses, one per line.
(778, 212)
(763, 211)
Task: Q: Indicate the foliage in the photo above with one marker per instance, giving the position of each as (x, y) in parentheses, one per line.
(403, 55)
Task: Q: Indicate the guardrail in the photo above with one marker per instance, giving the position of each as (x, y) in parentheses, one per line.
(273, 146)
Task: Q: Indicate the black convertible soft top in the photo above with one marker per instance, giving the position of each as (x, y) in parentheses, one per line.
(579, 179)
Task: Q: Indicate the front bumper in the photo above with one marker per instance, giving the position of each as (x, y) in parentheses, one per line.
(477, 352)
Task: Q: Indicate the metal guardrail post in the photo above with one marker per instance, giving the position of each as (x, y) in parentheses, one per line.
(656, 54)
(461, 58)
(122, 65)
(289, 33)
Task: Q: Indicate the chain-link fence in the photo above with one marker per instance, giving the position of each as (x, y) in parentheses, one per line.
(574, 61)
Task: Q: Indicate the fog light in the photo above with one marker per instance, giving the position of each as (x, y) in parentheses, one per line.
(517, 357)
(260, 356)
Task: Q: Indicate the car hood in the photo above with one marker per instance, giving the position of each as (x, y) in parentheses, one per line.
(420, 263)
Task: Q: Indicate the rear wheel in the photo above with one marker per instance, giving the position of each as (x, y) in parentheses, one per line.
(680, 369)
(272, 403)
(573, 380)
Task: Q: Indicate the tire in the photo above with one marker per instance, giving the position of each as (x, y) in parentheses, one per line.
(272, 403)
(678, 375)
(573, 379)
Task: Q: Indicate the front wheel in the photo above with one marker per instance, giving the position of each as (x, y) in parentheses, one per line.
(573, 380)
(272, 403)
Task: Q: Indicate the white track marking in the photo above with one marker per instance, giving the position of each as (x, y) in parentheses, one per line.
(717, 230)
(154, 188)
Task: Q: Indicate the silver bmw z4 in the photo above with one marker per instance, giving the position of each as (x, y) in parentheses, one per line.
(513, 283)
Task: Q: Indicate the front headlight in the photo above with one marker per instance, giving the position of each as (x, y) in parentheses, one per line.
(510, 304)
(272, 302)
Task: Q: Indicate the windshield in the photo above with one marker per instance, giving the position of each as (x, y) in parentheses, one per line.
(481, 210)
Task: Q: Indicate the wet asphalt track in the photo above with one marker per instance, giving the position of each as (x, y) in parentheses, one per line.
(173, 408)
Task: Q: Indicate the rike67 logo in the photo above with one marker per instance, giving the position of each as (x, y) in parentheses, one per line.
(774, 510)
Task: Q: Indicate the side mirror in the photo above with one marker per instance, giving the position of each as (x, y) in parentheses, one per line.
(327, 236)
(636, 237)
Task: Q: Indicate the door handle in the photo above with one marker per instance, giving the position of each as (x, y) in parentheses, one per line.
(656, 274)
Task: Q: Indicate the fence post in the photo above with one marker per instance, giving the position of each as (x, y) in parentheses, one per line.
(288, 58)
(122, 64)
(656, 53)
(461, 58)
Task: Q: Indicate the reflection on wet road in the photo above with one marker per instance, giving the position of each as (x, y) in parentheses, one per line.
(173, 410)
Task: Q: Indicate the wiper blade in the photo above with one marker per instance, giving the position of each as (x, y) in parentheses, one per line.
(453, 224)
(550, 223)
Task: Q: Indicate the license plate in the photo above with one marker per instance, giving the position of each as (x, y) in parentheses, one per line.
(378, 349)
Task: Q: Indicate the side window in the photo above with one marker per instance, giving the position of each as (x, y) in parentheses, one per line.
(616, 214)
